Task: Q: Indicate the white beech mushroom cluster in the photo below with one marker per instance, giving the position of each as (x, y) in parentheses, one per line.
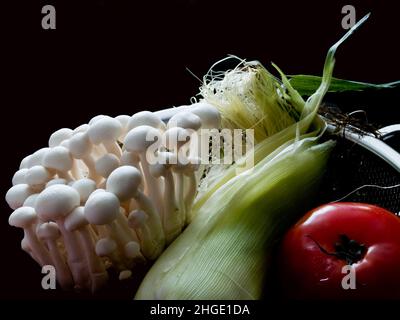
(92, 199)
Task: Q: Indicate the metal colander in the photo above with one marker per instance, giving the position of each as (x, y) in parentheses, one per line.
(364, 167)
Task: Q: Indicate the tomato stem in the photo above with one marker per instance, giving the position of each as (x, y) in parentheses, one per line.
(346, 249)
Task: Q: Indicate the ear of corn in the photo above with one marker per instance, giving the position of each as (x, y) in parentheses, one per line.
(224, 252)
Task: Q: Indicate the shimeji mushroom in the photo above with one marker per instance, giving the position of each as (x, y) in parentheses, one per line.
(55, 181)
(85, 187)
(107, 164)
(80, 147)
(76, 221)
(108, 248)
(37, 157)
(106, 131)
(144, 141)
(25, 246)
(19, 176)
(17, 195)
(145, 118)
(171, 219)
(59, 159)
(31, 200)
(55, 203)
(209, 115)
(26, 218)
(124, 182)
(61, 188)
(174, 139)
(123, 120)
(49, 233)
(37, 177)
(59, 136)
(103, 209)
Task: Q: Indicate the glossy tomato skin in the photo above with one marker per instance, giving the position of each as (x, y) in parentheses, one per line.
(307, 272)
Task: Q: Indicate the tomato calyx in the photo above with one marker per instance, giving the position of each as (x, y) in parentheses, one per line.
(346, 249)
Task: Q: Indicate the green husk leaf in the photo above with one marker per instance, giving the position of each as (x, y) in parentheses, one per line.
(307, 84)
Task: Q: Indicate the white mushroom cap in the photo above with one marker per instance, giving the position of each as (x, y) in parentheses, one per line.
(80, 145)
(56, 181)
(140, 138)
(102, 208)
(59, 136)
(124, 182)
(24, 162)
(107, 164)
(23, 217)
(58, 158)
(104, 129)
(37, 175)
(96, 192)
(105, 247)
(84, 187)
(17, 195)
(186, 120)
(132, 249)
(175, 137)
(31, 200)
(209, 115)
(37, 157)
(137, 219)
(19, 176)
(145, 118)
(81, 128)
(56, 202)
(48, 231)
(76, 219)
(123, 120)
(96, 118)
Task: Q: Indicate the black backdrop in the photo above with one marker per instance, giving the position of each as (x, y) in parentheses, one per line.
(119, 57)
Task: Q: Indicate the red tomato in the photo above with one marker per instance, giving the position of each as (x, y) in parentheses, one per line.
(333, 236)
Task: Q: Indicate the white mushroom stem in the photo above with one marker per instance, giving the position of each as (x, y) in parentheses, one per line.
(144, 141)
(49, 233)
(128, 159)
(76, 221)
(137, 220)
(80, 147)
(156, 237)
(25, 246)
(171, 219)
(124, 183)
(175, 139)
(126, 232)
(26, 218)
(55, 204)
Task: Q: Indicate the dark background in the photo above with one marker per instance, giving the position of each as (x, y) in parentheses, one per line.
(119, 57)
